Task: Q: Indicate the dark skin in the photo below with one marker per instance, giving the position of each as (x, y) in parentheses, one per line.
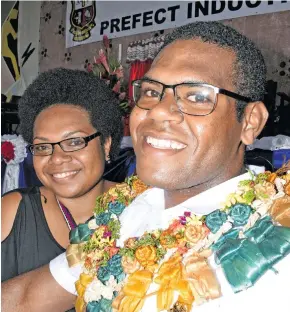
(213, 154)
(77, 191)
(214, 144)
(86, 167)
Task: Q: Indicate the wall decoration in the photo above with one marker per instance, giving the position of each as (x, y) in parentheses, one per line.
(67, 57)
(125, 18)
(270, 32)
(10, 43)
(47, 17)
(20, 41)
(82, 19)
(61, 30)
(44, 52)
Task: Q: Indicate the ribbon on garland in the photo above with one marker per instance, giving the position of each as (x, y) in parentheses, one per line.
(171, 277)
(77, 237)
(280, 210)
(81, 286)
(244, 261)
(201, 277)
(132, 296)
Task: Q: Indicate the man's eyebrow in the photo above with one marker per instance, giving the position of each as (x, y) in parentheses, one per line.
(146, 78)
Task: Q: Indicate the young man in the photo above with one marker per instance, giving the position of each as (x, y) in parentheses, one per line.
(197, 108)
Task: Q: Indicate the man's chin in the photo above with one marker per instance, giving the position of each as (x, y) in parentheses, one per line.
(155, 178)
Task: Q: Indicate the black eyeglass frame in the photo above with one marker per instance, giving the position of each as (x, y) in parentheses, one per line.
(216, 90)
(87, 139)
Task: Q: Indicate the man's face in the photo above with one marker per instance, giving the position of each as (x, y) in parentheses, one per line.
(207, 149)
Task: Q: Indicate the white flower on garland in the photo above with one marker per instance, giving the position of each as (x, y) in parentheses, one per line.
(11, 178)
(96, 290)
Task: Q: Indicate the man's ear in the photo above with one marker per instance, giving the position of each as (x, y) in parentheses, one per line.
(107, 148)
(254, 120)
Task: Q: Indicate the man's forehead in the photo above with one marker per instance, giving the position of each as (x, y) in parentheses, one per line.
(194, 60)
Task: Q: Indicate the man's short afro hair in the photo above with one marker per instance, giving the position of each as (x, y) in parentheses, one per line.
(249, 68)
(76, 87)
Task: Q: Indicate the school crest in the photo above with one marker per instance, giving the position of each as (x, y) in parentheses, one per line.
(82, 19)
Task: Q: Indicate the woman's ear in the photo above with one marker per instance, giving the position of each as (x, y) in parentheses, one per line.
(254, 120)
(107, 148)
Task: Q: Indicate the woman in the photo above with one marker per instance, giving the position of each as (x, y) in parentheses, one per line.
(72, 120)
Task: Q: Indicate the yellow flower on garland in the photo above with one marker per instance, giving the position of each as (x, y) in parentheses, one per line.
(139, 187)
(195, 233)
(146, 255)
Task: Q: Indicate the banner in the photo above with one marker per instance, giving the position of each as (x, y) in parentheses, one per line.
(88, 21)
(19, 53)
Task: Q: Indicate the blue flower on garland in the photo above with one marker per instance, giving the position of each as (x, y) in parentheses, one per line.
(103, 305)
(240, 214)
(215, 220)
(116, 208)
(104, 274)
(103, 218)
(115, 266)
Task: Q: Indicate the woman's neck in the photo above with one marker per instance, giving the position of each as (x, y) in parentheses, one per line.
(82, 207)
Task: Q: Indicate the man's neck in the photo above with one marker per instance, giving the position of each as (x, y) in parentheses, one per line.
(176, 197)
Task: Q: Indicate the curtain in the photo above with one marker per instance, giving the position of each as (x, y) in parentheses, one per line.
(140, 55)
(143, 50)
(138, 70)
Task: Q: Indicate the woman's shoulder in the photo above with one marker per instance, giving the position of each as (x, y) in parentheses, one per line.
(10, 203)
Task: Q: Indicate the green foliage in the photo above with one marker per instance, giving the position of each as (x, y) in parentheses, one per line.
(114, 227)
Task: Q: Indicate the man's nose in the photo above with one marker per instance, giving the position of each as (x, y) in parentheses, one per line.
(167, 108)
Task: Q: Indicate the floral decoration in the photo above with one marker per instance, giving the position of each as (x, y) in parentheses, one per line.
(175, 259)
(107, 67)
(7, 151)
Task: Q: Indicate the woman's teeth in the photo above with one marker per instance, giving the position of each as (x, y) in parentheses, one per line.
(64, 174)
(164, 144)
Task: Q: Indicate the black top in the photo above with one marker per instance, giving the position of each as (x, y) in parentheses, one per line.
(30, 243)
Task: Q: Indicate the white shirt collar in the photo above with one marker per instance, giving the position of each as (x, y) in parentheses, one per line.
(147, 212)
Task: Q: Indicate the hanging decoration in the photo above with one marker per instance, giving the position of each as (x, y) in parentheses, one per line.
(13, 152)
(143, 50)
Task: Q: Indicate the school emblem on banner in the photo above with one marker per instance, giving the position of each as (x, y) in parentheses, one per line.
(82, 19)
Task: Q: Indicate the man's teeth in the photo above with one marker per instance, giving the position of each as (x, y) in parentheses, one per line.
(164, 144)
(64, 174)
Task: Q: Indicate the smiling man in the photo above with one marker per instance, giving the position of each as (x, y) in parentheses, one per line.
(196, 109)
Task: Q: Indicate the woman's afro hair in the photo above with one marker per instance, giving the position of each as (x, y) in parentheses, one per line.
(75, 87)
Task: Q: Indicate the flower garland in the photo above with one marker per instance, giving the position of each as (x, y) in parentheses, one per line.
(165, 262)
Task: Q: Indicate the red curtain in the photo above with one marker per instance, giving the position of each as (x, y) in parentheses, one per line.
(138, 70)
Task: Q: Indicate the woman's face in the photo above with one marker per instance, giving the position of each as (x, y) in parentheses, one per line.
(68, 174)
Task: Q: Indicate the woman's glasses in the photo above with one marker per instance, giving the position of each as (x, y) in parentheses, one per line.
(67, 145)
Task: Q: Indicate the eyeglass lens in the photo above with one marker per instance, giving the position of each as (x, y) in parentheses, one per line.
(196, 99)
(68, 145)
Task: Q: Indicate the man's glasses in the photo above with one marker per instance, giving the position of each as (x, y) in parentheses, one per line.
(67, 145)
(197, 99)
